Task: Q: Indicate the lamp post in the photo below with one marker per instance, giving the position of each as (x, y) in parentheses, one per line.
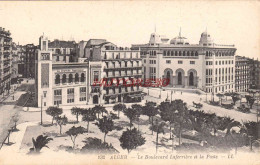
(41, 108)
(171, 95)
(160, 96)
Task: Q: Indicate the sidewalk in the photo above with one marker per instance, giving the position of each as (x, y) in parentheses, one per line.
(16, 138)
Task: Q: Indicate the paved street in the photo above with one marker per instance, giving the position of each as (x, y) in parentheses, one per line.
(190, 97)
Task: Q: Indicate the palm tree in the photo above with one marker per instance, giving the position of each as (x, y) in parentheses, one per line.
(99, 109)
(40, 142)
(119, 107)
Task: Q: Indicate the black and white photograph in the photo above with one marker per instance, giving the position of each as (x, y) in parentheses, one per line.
(129, 82)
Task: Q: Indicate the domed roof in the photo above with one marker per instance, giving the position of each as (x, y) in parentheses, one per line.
(205, 39)
(179, 40)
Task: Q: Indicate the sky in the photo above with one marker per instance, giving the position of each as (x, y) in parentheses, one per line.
(131, 22)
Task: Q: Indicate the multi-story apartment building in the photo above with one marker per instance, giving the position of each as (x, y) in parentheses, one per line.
(254, 74)
(63, 51)
(5, 60)
(242, 74)
(119, 66)
(29, 61)
(207, 65)
(91, 80)
(15, 61)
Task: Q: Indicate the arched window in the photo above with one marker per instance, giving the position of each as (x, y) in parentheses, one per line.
(70, 78)
(175, 53)
(57, 79)
(188, 53)
(179, 53)
(64, 78)
(76, 77)
(82, 78)
(171, 53)
(191, 79)
(207, 53)
(196, 54)
(164, 53)
(168, 53)
(192, 53)
(168, 76)
(184, 53)
(179, 78)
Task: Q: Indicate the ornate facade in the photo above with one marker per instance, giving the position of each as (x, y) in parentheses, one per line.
(207, 66)
(98, 77)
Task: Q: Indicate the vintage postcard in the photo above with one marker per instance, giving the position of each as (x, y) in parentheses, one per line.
(129, 82)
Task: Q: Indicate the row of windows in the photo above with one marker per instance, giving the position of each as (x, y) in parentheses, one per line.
(57, 92)
(123, 64)
(179, 62)
(152, 61)
(180, 53)
(70, 78)
(69, 91)
(82, 99)
(70, 100)
(224, 62)
(220, 89)
(209, 53)
(57, 102)
(224, 70)
(118, 56)
(208, 72)
(113, 90)
(82, 90)
(209, 62)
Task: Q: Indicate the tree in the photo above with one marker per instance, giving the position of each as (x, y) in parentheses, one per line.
(219, 95)
(250, 129)
(150, 110)
(54, 112)
(138, 109)
(40, 142)
(181, 117)
(167, 113)
(73, 132)
(131, 139)
(158, 128)
(119, 107)
(76, 111)
(132, 114)
(99, 109)
(96, 146)
(61, 121)
(235, 97)
(105, 125)
(88, 115)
